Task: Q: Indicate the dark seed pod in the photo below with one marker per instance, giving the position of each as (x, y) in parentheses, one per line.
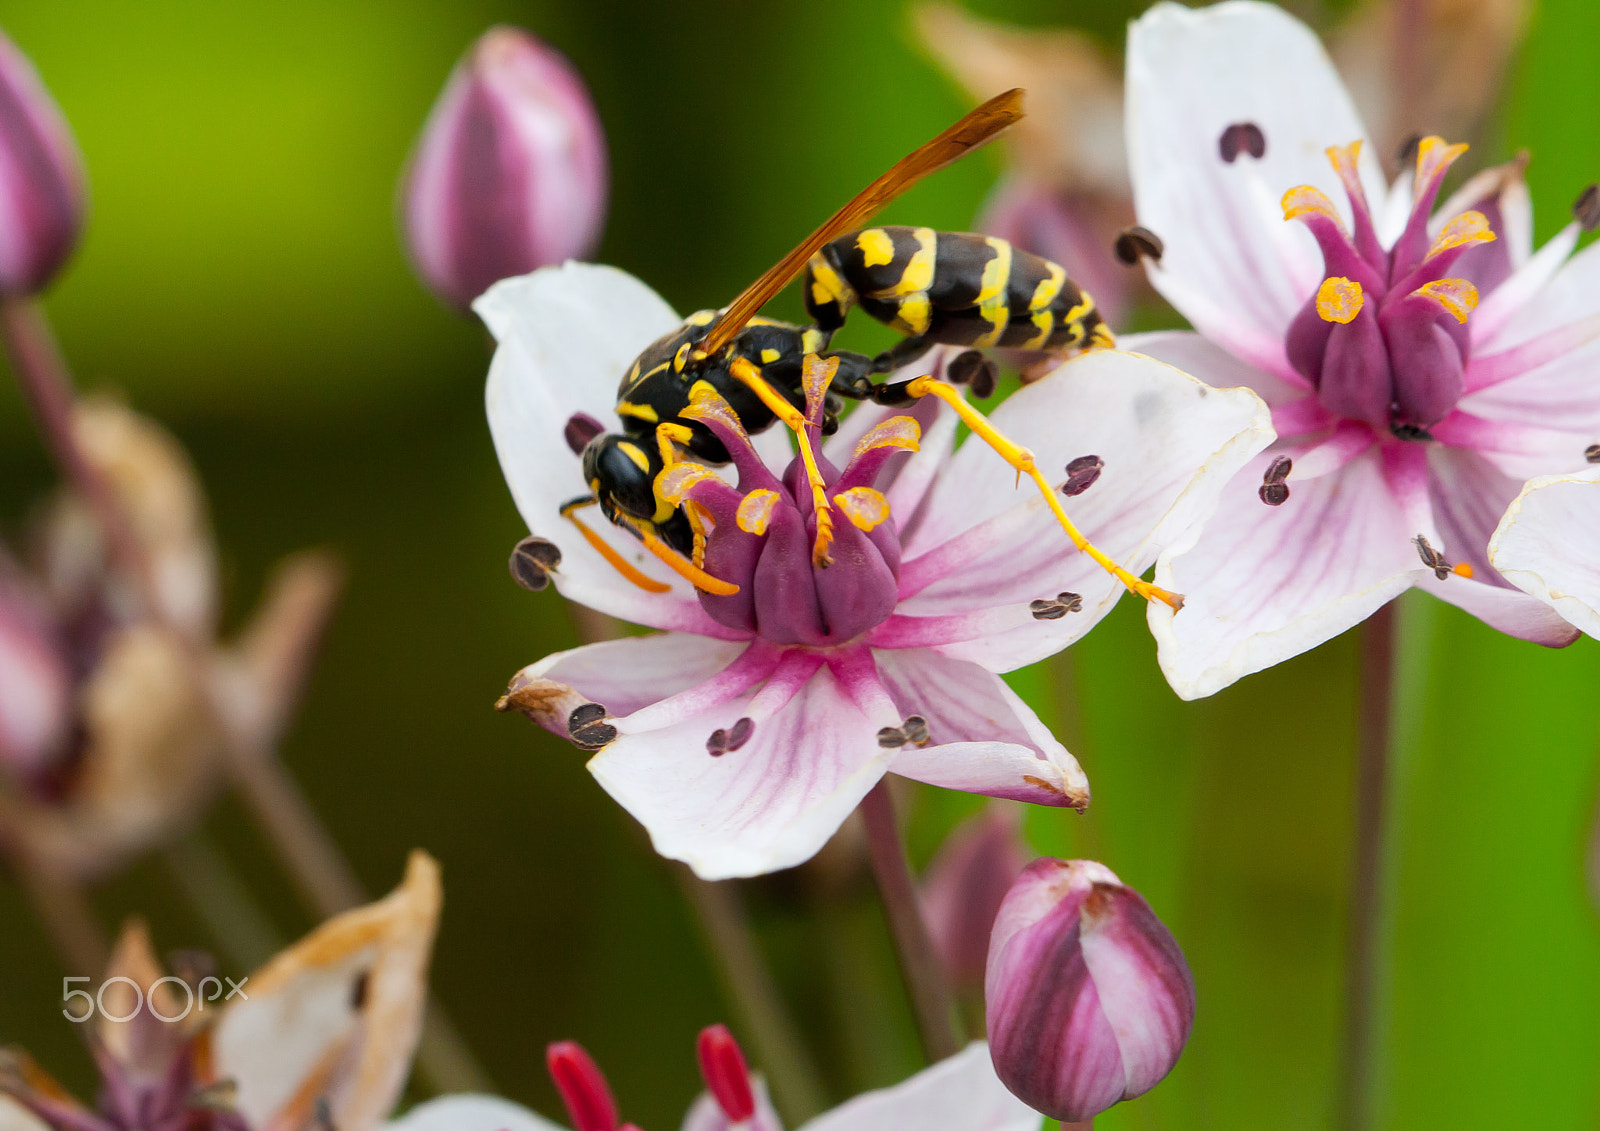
(532, 559)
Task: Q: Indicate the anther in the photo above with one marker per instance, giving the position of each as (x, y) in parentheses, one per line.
(1435, 560)
(1407, 153)
(1081, 475)
(583, 715)
(586, 728)
(891, 738)
(1242, 137)
(1586, 209)
(582, 1086)
(726, 1074)
(1274, 491)
(726, 741)
(532, 559)
(1136, 243)
(1054, 608)
(1339, 300)
(915, 728)
(1592, 453)
(971, 368)
(580, 429)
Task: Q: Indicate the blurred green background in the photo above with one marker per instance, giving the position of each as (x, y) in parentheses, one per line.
(242, 279)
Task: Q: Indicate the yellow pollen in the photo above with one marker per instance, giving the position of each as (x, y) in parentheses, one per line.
(1457, 296)
(679, 479)
(1462, 569)
(755, 511)
(896, 432)
(864, 507)
(1434, 157)
(705, 403)
(1302, 199)
(1467, 228)
(1345, 160)
(1339, 300)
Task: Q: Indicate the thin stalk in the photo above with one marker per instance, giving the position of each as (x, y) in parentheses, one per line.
(1373, 730)
(931, 1003)
(747, 982)
(62, 905)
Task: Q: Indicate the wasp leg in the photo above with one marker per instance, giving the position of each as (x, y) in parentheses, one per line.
(903, 352)
(1021, 459)
(677, 563)
(668, 437)
(853, 379)
(746, 372)
(605, 549)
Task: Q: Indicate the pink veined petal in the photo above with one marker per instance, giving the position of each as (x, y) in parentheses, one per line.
(1301, 417)
(1508, 314)
(1520, 450)
(1204, 359)
(705, 1115)
(1548, 544)
(1486, 370)
(772, 803)
(1168, 443)
(958, 1094)
(1324, 457)
(1232, 265)
(470, 1112)
(566, 337)
(1264, 583)
(984, 738)
(1405, 471)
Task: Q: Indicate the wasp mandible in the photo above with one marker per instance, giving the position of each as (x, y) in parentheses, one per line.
(934, 287)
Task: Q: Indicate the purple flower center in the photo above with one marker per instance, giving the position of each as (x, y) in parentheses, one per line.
(761, 535)
(1384, 339)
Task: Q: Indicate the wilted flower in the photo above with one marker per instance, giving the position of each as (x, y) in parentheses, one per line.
(42, 196)
(1089, 998)
(1548, 544)
(1408, 411)
(744, 735)
(322, 1036)
(510, 171)
(966, 882)
(958, 1094)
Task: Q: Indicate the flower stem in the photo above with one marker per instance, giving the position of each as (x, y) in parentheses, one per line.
(1377, 651)
(63, 907)
(931, 1002)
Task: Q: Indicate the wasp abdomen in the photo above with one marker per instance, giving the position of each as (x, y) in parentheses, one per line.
(955, 288)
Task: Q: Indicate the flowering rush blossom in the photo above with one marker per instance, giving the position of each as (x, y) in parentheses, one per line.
(42, 193)
(1420, 361)
(744, 734)
(1548, 544)
(958, 1094)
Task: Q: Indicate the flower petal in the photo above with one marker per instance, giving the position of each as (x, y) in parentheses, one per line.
(566, 336)
(1232, 266)
(987, 739)
(705, 1115)
(958, 1094)
(774, 801)
(470, 1112)
(1548, 544)
(1168, 442)
(1265, 583)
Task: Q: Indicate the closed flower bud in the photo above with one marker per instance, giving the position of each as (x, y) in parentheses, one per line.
(510, 172)
(1089, 998)
(42, 195)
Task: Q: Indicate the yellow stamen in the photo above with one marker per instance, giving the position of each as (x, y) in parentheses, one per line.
(1339, 300)
(681, 565)
(677, 481)
(1434, 156)
(1467, 228)
(609, 553)
(815, 377)
(864, 507)
(747, 374)
(1345, 160)
(895, 432)
(1022, 459)
(1306, 198)
(755, 511)
(1457, 296)
(705, 403)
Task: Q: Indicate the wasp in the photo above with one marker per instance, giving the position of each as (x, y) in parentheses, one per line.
(933, 287)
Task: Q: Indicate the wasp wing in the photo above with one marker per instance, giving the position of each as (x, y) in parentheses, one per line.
(977, 128)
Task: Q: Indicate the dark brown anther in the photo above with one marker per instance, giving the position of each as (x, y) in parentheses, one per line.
(1274, 491)
(594, 736)
(532, 559)
(740, 733)
(1242, 137)
(1586, 209)
(1136, 243)
(1273, 494)
(1592, 453)
(1432, 558)
(580, 429)
(717, 744)
(584, 715)
(1081, 475)
(973, 369)
(915, 728)
(1054, 608)
(1407, 153)
(891, 738)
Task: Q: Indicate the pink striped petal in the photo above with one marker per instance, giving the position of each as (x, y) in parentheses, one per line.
(705, 1115)
(773, 802)
(1548, 544)
(984, 738)
(1502, 318)
(958, 1094)
(1519, 449)
(1264, 583)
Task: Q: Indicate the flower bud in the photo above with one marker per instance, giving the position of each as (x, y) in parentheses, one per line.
(42, 195)
(1089, 998)
(35, 683)
(510, 171)
(964, 885)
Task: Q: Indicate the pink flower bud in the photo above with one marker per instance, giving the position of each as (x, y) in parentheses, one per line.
(42, 195)
(726, 1075)
(1089, 998)
(35, 683)
(583, 1087)
(965, 884)
(510, 171)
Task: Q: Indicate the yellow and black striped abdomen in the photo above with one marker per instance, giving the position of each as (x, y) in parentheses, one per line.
(952, 287)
